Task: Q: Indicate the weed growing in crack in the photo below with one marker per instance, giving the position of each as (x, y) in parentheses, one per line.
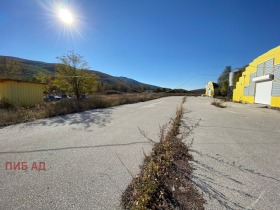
(165, 178)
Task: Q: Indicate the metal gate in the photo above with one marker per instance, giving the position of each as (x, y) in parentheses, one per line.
(263, 92)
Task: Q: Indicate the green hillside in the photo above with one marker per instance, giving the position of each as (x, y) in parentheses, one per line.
(31, 68)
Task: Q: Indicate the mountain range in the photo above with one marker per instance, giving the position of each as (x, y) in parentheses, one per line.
(31, 67)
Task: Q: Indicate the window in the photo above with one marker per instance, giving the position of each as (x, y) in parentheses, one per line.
(246, 90)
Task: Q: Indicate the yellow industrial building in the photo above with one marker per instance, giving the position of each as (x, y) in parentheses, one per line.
(260, 82)
(21, 93)
(210, 88)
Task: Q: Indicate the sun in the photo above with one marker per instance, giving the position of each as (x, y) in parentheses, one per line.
(66, 16)
(63, 17)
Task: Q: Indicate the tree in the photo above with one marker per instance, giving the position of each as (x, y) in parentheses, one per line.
(158, 90)
(100, 87)
(47, 79)
(120, 87)
(223, 81)
(143, 88)
(73, 75)
(10, 69)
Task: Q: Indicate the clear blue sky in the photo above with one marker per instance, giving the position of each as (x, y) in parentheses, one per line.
(161, 42)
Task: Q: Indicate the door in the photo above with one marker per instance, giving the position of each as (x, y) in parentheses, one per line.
(263, 92)
(209, 92)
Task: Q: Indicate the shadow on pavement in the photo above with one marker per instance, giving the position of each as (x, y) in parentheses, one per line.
(210, 180)
(100, 117)
(73, 148)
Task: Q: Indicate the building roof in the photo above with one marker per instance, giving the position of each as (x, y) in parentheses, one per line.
(16, 80)
(236, 70)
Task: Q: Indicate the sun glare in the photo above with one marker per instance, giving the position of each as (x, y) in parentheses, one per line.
(66, 16)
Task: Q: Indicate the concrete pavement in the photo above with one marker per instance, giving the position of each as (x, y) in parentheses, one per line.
(236, 154)
(80, 152)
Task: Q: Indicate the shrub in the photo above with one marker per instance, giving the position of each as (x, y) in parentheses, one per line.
(112, 92)
(5, 104)
(67, 106)
(218, 103)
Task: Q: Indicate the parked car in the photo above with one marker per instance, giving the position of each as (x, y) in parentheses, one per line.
(52, 98)
(64, 96)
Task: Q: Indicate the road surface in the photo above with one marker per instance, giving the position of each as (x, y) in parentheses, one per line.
(236, 154)
(81, 153)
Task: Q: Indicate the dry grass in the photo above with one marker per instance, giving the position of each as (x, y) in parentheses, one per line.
(218, 103)
(20, 115)
(10, 115)
(165, 178)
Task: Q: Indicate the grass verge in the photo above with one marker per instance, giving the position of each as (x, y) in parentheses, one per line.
(10, 115)
(165, 178)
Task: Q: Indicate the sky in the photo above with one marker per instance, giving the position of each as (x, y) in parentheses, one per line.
(169, 43)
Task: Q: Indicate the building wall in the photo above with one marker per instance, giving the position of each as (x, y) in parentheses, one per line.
(275, 101)
(22, 93)
(209, 86)
(245, 79)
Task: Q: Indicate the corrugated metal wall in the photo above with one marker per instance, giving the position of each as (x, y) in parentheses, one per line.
(269, 66)
(260, 69)
(277, 72)
(265, 67)
(1, 90)
(251, 89)
(252, 76)
(275, 88)
(22, 93)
